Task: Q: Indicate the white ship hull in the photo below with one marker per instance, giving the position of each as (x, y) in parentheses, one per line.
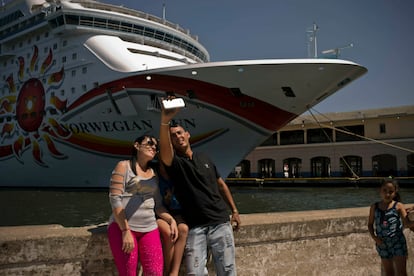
(66, 123)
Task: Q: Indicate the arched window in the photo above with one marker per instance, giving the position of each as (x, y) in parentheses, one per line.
(292, 167)
(321, 166)
(384, 165)
(410, 164)
(266, 168)
(351, 165)
(242, 169)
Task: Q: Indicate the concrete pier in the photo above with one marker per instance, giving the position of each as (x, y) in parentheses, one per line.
(329, 242)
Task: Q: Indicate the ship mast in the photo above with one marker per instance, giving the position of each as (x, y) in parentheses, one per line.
(163, 11)
(312, 42)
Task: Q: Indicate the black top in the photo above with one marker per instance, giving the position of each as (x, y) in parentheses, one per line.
(196, 188)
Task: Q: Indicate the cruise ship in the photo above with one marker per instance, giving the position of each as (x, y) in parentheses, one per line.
(80, 80)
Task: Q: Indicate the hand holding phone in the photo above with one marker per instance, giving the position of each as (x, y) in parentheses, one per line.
(173, 103)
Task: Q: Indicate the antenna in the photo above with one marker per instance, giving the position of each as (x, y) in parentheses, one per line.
(337, 51)
(163, 10)
(312, 42)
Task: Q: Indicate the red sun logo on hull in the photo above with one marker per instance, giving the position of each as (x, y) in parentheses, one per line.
(30, 106)
(24, 121)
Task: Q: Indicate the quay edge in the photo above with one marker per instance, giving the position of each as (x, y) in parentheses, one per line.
(328, 242)
(374, 182)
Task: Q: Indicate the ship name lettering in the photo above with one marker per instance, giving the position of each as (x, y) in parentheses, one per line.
(107, 126)
(186, 123)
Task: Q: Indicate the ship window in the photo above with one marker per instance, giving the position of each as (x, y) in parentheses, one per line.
(177, 41)
(84, 87)
(74, 56)
(45, 50)
(126, 27)
(73, 90)
(84, 70)
(37, 38)
(86, 20)
(73, 73)
(112, 24)
(138, 29)
(64, 43)
(149, 32)
(72, 19)
(63, 59)
(62, 92)
(54, 62)
(47, 34)
(168, 38)
(60, 21)
(99, 22)
(20, 44)
(55, 46)
(159, 35)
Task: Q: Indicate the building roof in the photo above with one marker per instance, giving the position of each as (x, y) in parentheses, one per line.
(399, 111)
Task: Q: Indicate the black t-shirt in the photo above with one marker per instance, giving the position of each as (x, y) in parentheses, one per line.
(196, 188)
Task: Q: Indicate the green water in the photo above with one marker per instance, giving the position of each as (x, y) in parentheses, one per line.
(81, 208)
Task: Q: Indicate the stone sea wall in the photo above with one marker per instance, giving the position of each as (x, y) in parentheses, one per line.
(328, 242)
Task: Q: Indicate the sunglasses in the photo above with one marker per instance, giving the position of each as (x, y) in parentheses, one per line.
(150, 144)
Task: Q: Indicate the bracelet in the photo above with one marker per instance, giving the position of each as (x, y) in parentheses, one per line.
(126, 229)
(165, 124)
(235, 211)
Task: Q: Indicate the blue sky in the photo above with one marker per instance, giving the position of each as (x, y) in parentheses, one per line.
(381, 31)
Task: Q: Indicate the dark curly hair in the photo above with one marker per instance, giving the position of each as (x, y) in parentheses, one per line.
(133, 158)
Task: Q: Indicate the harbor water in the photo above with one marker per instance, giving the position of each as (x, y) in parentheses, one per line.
(73, 208)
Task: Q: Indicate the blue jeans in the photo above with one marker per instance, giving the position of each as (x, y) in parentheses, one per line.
(219, 240)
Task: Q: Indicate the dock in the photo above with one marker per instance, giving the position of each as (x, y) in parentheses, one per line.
(406, 182)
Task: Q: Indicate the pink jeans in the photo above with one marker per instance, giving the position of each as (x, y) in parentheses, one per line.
(147, 251)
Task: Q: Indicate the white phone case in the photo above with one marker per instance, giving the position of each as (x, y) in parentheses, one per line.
(174, 103)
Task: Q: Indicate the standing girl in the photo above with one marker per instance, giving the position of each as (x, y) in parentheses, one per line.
(388, 217)
(135, 198)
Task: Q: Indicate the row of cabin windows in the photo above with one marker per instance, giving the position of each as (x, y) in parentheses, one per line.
(46, 51)
(321, 135)
(73, 73)
(29, 41)
(36, 68)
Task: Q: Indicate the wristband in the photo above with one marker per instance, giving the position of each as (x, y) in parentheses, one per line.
(126, 229)
(165, 124)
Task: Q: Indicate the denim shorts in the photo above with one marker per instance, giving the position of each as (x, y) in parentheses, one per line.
(219, 240)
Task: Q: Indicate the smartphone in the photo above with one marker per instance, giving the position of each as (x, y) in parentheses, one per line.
(174, 103)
